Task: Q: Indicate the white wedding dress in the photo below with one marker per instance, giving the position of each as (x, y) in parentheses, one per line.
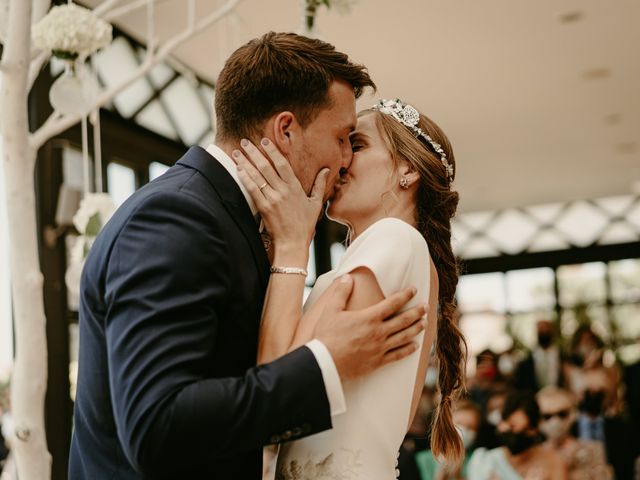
(364, 441)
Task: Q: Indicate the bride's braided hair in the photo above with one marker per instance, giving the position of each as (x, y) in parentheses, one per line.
(436, 204)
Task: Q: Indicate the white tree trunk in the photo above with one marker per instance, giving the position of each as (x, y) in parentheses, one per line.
(29, 379)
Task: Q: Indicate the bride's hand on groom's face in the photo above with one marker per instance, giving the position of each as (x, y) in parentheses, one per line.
(290, 215)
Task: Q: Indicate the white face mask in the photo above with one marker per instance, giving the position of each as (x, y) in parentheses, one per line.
(494, 417)
(554, 428)
(468, 436)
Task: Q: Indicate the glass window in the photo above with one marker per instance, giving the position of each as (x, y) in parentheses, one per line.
(483, 292)
(594, 315)
(626, 322)
(186, 109)
(114, 64)
(156, 169)
(337, 251)
(530, 289)
(583, 283)
(485, 330)
(121, 181)
(72, 169)
(155, 119)
(511, 231)
(625, 280)
(582, 223)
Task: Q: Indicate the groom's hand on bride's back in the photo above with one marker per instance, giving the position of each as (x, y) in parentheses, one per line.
(361, 341)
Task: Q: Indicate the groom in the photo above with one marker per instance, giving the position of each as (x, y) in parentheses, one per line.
(172, 292)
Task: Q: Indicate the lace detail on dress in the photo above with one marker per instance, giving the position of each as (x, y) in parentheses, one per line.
(347, 467)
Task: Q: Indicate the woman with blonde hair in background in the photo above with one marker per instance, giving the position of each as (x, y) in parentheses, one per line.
(397, 200)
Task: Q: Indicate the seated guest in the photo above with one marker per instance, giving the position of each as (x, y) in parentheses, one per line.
(491, 418)
(585, 459)
(521, 457)
(466, 417)
(620, 442)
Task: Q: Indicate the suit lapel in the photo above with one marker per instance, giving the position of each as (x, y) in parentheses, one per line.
(233, 201)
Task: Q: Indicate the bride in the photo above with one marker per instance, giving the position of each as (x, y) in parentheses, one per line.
(397, 201)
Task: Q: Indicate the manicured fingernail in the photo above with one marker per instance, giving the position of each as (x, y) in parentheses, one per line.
(244, 142)
(264, 142)
(239, 167)
(345, 278)
(235, 154)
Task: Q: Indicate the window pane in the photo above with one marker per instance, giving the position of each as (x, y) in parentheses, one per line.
(156, 169)
(72, 169)
(186, 108)
(530, 289)
(337, 251)
(481, 293)
(626, 321)
(511, 231)
(594, 315)
(485, 330)
(114, 64)
(121, 181)
(625, 280)
(154, 118)
(583, 283)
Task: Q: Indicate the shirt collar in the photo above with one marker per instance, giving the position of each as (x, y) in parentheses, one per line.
(230, 166)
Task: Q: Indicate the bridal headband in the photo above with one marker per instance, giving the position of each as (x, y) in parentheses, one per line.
(409, 117)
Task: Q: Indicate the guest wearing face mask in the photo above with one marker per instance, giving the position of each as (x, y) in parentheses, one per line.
(542, 366)
(521, 457)
(466, 417)
(486, 377)
(487, 436)
(594, 423)
(585, 459)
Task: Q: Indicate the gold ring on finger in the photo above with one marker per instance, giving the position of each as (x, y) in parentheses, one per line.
(263, 185)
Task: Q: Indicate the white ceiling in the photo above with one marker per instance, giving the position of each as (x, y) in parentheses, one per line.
(538, 110)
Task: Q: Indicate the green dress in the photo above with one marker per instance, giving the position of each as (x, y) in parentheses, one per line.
(428, 466)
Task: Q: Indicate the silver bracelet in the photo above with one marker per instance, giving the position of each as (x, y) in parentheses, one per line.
(289, 270)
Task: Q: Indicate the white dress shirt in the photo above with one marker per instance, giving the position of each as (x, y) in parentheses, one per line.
(332, 383)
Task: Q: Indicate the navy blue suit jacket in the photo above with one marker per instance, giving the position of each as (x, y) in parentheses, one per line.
(171, 298)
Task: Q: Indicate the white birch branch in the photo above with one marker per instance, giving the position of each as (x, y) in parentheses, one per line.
(36, 66)
(54, 126)
(124, 9)
(105, 7)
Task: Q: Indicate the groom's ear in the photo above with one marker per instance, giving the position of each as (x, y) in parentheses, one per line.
(285, 131)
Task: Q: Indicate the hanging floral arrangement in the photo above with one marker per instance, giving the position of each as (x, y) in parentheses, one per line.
(70, 32)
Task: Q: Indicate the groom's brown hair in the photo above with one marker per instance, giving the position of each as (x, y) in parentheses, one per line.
(280, 72)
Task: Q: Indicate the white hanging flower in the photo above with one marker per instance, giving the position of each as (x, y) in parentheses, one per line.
(95, 210)
(70, 31)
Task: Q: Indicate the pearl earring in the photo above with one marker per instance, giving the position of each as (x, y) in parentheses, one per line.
(404, 183)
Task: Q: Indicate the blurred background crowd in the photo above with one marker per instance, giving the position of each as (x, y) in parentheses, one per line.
(531, 414)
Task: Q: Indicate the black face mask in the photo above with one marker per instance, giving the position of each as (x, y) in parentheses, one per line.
(516, 442)
(544, 339)
(592, 402)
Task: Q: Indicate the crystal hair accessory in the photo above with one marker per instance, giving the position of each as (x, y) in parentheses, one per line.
(410, 117)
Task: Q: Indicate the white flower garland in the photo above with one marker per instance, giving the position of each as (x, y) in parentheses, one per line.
(70, 31)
